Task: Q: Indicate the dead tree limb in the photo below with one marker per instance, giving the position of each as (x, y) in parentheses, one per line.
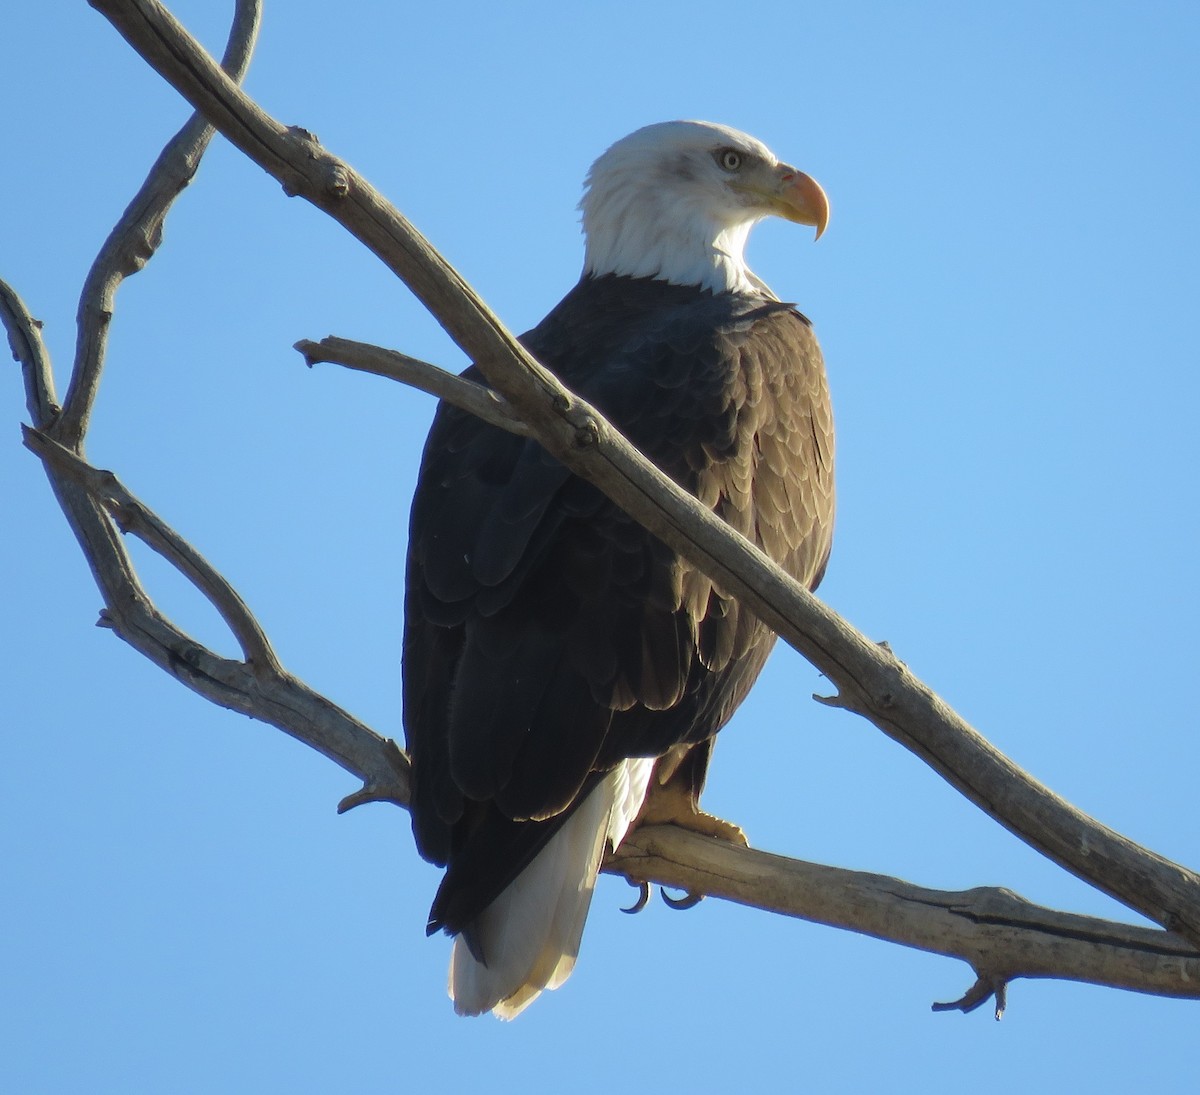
(998, 933)
(99, 508)
(1001, 936)
(869, 679)
(466, 394)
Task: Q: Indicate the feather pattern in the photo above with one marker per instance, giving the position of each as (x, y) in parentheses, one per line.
(553, 649)
(529, 935)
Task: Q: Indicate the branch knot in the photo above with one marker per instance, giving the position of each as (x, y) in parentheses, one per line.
(587, 432)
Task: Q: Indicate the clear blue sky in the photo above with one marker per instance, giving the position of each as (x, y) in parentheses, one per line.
(1006, 297)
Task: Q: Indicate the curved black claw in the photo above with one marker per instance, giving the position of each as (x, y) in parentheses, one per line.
(688, 901)
(643, 896)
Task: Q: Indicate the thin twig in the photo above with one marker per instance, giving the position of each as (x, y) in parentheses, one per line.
(985, 987)
(477, 399)
(137, 235)
(28, 348)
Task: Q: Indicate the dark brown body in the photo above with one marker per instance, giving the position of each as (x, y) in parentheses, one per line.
(548, 636)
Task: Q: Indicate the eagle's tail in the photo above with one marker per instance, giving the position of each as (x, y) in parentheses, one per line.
(529, 936)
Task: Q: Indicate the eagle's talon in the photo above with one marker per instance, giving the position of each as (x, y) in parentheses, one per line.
(689, 901)
(643, 897)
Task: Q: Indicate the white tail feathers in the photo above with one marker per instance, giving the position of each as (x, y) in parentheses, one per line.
(530, 934)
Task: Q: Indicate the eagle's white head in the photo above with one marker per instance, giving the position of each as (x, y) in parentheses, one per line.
(676, 201)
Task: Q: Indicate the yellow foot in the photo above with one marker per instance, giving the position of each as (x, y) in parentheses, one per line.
(673, 805)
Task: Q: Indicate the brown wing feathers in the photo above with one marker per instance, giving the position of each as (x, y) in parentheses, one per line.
(547, 635)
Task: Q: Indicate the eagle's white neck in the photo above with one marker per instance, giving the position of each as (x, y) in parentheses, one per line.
(634, 231)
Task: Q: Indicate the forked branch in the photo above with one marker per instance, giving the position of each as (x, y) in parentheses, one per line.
(869, 679)
(994, 931)
(99, 508)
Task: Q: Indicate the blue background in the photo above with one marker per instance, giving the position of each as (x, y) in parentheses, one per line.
(1006, 298)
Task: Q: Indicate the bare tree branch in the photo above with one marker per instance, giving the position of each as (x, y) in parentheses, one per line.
(137, 235)
(869, 679)
(258, 687)
(999, 934)
(25, 341)
(131, 516)
(978, 994)
(474, 398)
(90, 499)
(988, 928)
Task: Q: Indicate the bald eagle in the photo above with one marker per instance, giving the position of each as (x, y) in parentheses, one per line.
(564, 669)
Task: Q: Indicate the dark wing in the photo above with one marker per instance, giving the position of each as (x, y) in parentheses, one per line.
(547, 635)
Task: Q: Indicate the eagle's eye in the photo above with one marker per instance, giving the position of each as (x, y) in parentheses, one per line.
(730, 159)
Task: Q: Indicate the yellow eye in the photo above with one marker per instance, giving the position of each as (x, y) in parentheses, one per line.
(729, 159)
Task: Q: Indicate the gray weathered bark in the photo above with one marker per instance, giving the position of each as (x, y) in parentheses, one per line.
(1000, 935)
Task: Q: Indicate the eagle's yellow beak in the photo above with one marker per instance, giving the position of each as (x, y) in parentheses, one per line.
(799, 198)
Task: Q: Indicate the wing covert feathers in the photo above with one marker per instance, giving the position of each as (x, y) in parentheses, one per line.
(549, 638)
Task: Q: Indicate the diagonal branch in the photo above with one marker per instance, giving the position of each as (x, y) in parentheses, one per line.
(258, 687)
(869, 679)
(128, 247)
(25, 341)
(98, 507)
(132, 516)
(1000, 935)
(996, 932)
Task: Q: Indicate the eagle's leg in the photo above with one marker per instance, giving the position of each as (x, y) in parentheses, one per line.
(674, 795)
